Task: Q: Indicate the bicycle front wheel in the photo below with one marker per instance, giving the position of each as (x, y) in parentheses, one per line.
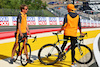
(83, 54)
(49, 54)
(23, 55)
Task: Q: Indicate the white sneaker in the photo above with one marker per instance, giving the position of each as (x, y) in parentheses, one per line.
(74, 65)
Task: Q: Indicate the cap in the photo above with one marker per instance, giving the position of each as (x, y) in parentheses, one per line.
(71, 6)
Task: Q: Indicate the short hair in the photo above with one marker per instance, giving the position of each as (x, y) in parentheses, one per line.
(22, 6)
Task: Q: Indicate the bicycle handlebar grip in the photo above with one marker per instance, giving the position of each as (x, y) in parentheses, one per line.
(85, 33)
(35, 38)
(55, 33)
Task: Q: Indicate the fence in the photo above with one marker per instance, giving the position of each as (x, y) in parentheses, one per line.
(14, 12)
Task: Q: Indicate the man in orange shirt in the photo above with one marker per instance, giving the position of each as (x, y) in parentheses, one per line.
(21, 30)
(70, 26)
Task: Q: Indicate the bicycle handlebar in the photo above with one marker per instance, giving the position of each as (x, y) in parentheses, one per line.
(77, 36)
(28, 36)
(82, 36)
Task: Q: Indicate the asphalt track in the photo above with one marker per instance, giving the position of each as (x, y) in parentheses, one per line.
(36, 62)
(13, 28)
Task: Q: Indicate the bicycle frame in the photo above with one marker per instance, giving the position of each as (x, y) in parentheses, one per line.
(80, 38)
(20, 51)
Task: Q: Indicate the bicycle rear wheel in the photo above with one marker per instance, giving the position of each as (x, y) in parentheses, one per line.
(83, 55)
(49, 54)
(23, 57)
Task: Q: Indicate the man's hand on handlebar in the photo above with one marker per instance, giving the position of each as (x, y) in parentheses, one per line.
(82, 34)
(58, 31)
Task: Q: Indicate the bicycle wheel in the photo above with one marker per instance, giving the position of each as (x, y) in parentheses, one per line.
(23, 55)
(49, 54)
(83, 55)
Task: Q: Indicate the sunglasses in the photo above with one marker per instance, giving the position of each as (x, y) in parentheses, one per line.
(26, 9)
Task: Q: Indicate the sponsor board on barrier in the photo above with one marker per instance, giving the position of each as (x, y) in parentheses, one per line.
(14, 21)
(4, 21)
(52, 20)
(42, 20)
(81, 20)
(88, 22)
(96, 23)
(61, 19)
(99, 23)
(92, 23)
(31, 21)
(84, 22)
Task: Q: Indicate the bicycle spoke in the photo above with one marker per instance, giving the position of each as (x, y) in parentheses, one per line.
(48, 55)
(83, 55)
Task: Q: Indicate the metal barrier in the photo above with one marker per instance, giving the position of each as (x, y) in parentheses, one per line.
(14, 12)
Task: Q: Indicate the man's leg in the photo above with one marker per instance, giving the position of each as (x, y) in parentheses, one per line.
(73, 41)
(25, 50)
(64, 43)
(14, 48)
(13, 53)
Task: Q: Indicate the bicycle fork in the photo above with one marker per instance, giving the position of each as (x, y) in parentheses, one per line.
(80, 50)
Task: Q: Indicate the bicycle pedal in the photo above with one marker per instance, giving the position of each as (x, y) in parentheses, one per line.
(61, 59)
(82, 53)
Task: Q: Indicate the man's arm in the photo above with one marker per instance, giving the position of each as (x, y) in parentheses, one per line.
(79, 25)
(19, 24)
(20, 30)
(61, 29)
(28, 30)
(64, 23)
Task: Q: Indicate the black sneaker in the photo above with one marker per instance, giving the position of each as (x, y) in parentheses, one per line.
(29, 61)
(11, 61)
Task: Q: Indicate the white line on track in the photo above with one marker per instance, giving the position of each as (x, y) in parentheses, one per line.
(44, 35)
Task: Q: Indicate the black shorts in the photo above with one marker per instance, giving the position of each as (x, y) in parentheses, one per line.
(18, 37)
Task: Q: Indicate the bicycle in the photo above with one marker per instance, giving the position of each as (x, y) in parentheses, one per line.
(49, 54)
(20, 51)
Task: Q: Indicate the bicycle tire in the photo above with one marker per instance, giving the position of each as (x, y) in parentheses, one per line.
(49, 46)
(85, 54)
(22, 58)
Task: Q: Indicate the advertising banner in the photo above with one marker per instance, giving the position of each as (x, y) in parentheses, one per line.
(92, 23)
(88, 23)
(81, 20)
(61, 19)
(4, 21)
(42, 20)
(96, 23)
(14, 21)
(84, 22)
(99, 23)
(31, 21)
(52, 20)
